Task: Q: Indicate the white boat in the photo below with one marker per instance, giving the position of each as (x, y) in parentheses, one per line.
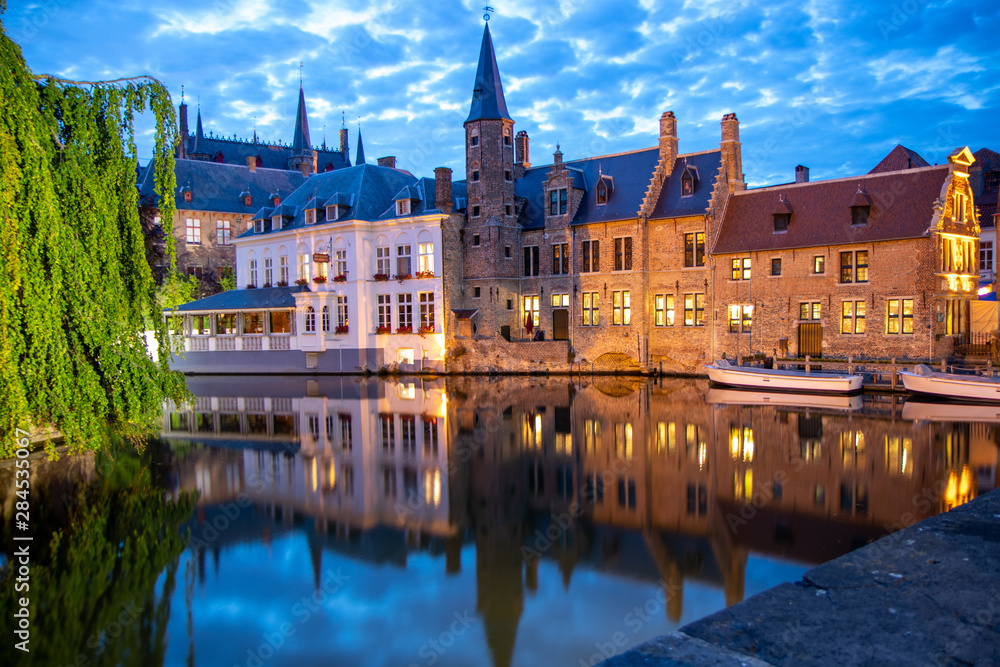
(717, 396)
(925, 380)
(939, 411)
(722, 372)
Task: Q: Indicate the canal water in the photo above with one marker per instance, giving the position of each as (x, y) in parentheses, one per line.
(466, 521)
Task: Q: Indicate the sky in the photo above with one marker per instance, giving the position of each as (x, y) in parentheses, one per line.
(829, 84)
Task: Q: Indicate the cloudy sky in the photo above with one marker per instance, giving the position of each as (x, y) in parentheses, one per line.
(833, 85)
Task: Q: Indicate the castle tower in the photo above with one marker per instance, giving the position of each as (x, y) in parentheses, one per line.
(303, 157)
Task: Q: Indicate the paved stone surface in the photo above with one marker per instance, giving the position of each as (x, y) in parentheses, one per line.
(925, 595)
(680, 650)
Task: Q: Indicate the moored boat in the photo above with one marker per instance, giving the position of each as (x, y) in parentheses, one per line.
(722, 372)
(925, 380)
(718, 396)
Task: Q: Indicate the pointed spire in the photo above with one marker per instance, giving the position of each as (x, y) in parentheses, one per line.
(359, 158)
(487, 94)
(300, 140)
(200, 134)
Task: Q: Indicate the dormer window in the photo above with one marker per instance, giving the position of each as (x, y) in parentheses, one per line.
(687, 187)
(247, 200)
(187, 196)
(258, 226)
(332, 213)
(558, 201)
(861, 207)
(782, 215)
(276, 222)
(403, 207)
(275, 199)
(602, 194)
(689, 180)
(310, 216)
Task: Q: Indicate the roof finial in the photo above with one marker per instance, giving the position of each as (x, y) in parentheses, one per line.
(300, 73)
(182, 93)
(343, 119)
(486, 16)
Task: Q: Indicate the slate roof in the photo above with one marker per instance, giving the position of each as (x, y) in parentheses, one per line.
(672, 204)
(272, 157)
(369, 188)
(987, 160)
(245, 299)
(487, 93)
(821, 215)
(300, 137)
(217, 187)
(899, 158)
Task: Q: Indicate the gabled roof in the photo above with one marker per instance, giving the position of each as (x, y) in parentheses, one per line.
(822, 214)
(245, 299)
(221, 187)
(487, 93)
(987, 160)
(672, 202)
(899, 158)
(426, 199)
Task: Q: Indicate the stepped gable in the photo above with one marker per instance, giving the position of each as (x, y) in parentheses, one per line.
(672, 202)
(902, 208)
(218, 187)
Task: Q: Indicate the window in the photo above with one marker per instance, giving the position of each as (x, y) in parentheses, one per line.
(332, 213)
(560, 300)
(403, 260)
(621, 308)
(852, 318)
(531, 309)
(408, 424)
(304, 266)
(382, 262)
(475, 240)
(623, 254)
(859, 215)
(253, 323)
(426, 311)
(310, 216)
(694, 249)
(694, 310)
(253, 271)
(955, 316)
(310, 320)
(590, 251)
(557, 201)
(819, 264)
(321, 269)
(560, 258)
(403, 207)
(740, 318)
(346, 436)
(809, 311)
(194, 271)
(957, 255)
(430, 436)
(602, 193)
(268, 271)
(531, 261)
(508, 210)
(425, 257)
(776, 266)
(283, 269)
(326, 319)
(193, 231)
(506, 251)
(781, 221)
(506, 137)
(222, 232)
(405, 319)
(663, 310)
(507, 176)
(899, 316)
(475, 211)
(276, 222)
(741, 269)
(959, 208)
(341, 257)
(986, 256)
(475, 176)
(854, 266)
(590, 309)
(510, 304)
(475, 140)
(388, 429)
(384, 302)
(476, 292)
(342, 315)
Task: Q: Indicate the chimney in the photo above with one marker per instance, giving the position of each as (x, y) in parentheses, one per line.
(442, 188)
(521, 158)
(390, 161)
(252, 163)
(801, 174)
(668, 140)
(556, 157)
(304, 168)
(731, 154)
(343, 140)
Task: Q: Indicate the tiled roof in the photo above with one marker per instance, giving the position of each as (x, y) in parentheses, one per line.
(672, 204)
(218, 187)
(272, 157)
(246, 299)
(987, 160)
(487, 94)
(902, 208)
(899, 158)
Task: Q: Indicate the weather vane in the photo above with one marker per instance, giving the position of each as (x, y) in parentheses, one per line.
(486, 16)
(182, 93)
(300, 73)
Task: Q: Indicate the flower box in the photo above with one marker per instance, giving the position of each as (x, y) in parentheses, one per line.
(341, 330)
(404, 330)
(340, 279)
(251, 286)
(381, 277)
(425, 274)
(302, 281)
(383, 330)
(401, 278)
(319, 280)
(281, 283)
(266, 285)
(426, 330)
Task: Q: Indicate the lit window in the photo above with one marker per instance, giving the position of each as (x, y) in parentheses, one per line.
(694, 310)
(740, 318)
(621, 308)
(694, 249)
(342, 315)
(560, 300)
(283, 269)
(560, 258)
(899, 316)
(819, 264)
(852, 318)
(590, 309)
(854, 266)
(741, 269)
(341, 258)
(403, 207)
(310, 320)
(809, 311)
(663, 310)
(531, 309)
(426, 311)
(425, 257)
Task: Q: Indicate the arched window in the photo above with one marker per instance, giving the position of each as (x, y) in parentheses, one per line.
(425, 254)
(252, 265)
(340, 257)
(283, 266)
(303, 262)
(474, 172)
(403, 252)
(310, 320)
(268, 269)
(383, 258)
(326, 319)
(506, 136)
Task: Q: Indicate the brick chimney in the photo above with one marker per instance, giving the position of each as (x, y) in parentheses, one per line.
(731, 152)
(252, 163)
(668, 140)
(522, 161)
(442, 189)
(390, 161)
(801, 174)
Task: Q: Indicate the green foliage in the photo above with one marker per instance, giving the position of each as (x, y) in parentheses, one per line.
(75, 286)
(97, 554)
(227, 278)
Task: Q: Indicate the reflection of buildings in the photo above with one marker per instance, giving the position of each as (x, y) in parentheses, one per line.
(632, 479)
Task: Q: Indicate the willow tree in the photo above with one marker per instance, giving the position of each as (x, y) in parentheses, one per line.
(75, 288)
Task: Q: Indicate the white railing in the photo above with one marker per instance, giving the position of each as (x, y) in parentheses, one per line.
(281, 343)
(198, 344)
(255, 344)
(227, 344)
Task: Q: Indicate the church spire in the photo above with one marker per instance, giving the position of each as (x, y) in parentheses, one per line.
(359, 158)
(300, 140)
(487, 94)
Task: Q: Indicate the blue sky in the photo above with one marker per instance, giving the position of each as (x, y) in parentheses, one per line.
(831, 85)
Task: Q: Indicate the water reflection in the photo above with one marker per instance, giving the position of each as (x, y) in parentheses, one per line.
(585, 507)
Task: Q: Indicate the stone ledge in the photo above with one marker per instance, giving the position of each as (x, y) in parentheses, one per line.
(680, 650)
